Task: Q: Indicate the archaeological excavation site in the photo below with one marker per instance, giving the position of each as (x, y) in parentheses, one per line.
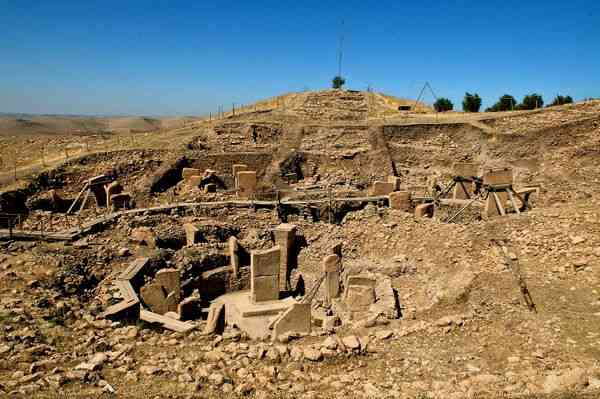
(333, 244)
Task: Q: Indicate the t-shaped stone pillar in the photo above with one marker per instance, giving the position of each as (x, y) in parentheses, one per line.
(332, 270)
(264, 274)
(285, 238)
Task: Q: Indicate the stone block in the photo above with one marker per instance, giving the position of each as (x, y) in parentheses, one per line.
(381, 188)
(295, 319)
(466, 169)
(331, 263)
(246, 184)
(112, 189)
(238, 168)
(401, 200)
(153, 296)
(170, 279)
(395, 180)
(192, 234)
(498, 177)
(265, 288)
(359, 297)
(194, 181)
(120, 201)
(186, 173)
(172, 302)
(265, 263)
(285, 237)
(491, 209)
(144, 236)
(424, 210)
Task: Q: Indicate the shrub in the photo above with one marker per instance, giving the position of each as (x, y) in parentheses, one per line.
(443, 105)
(471, 102)
(338, 82)
(505, 103)
(531, 101)
(560, 100)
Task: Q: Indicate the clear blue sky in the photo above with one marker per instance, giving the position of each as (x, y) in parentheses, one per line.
(188, 57)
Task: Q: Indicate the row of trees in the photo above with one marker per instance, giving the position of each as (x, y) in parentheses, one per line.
(472, 103)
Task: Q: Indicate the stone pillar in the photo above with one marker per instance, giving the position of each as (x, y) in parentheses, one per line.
(468, 170)
(499, 177)
(285, 238)
(401, 200)
(234, 255)
(380, 188)
(332, 269)
(264, 274)
(246, 184)
(112, 189)
(395, 180)
(192, 233)
(237, 168)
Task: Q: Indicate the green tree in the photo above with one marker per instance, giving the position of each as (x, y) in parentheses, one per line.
(443, 105)
(338, 82)
(531, 101)
(471, 102)
(560, 100)
(505, 103)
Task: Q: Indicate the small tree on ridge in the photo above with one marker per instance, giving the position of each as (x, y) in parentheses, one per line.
(338, 82)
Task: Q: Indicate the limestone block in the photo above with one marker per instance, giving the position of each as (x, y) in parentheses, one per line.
(169, 279)
(401, 200)
(265, 288)
(466, 169)
(246, 184)
(295, 319)
(144, 236)
(395, 180)
(112, 189)
(265, 263)
(154, 297)
(238, 168)
(194, 181)
(186, 173)
(285, 237)
(381, 188)
(359, 297)
(424, 210)
(120, 201)
(498, 176)
(192, 233)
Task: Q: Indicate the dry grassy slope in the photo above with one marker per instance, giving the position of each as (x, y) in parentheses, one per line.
(66, 125)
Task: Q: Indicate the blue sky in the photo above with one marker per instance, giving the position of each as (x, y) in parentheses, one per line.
(189, 57)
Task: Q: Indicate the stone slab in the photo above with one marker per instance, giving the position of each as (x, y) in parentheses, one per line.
(395, 180)
(154, 297)
(265, 288)
(359, 297)
(401, 200)
(295, 319)
(246, 184)
(186, 173)
(166, 322)
(382, 188)
(424, 210)
(498, 176)
(265, 263)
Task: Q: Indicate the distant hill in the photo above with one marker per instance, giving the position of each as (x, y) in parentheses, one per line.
(28, 124)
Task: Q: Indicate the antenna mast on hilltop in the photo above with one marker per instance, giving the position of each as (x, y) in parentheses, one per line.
(341, 50)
